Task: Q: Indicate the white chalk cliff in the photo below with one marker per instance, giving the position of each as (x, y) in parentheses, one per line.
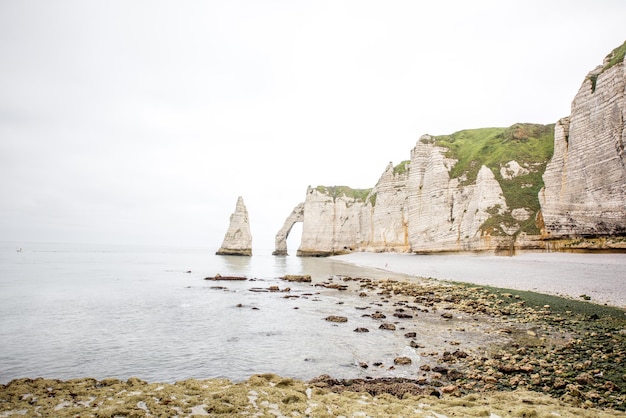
(238, 239)
(585, 183)
(446, 198)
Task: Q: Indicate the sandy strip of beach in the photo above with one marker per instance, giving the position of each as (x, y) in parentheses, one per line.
(600, 277)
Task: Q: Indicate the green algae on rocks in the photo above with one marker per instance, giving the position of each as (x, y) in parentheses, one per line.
(264, 395)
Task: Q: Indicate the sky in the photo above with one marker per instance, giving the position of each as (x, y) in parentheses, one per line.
(141, 122)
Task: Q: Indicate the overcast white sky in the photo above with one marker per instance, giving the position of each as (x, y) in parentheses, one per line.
(143, 121)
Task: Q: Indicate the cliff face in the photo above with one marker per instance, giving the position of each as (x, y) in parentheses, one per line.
(333, 222)
(424, 205)
(493, 189)
(585, 183)
(446, 215)
(238, 239)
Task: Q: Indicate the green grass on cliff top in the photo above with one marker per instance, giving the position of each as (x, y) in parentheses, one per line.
(337, 191)
(530, 145)
(616, 56)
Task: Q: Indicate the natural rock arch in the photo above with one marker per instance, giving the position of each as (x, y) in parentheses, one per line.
(297, 215)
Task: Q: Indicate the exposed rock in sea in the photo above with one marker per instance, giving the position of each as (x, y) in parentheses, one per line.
(336, 318)
(218, 277)
(238, 239)
(300, 278)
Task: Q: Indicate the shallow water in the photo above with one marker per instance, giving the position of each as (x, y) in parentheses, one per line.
(70, 310)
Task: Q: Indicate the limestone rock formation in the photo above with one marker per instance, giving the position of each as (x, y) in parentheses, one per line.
(445, 214)
(585, 183)
(389, 217)
(238, 239)
(297, 215)
(490, 189)
(332, 221)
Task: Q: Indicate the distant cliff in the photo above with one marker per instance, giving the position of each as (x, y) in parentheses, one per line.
(483, 189)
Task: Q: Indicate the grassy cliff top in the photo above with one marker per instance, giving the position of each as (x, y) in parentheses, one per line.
(338, 191)
(616, 56)
(526, 143)
(530, 145)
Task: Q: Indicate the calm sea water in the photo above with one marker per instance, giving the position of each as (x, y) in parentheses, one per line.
(69, 311)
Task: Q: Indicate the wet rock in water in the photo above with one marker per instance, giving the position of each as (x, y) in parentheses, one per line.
(231, 278)
(415, 344)
(333, 286)
(335, 318)
(410, 335)
(300, 278)
(361, 329)
(402, 360)
(363, 365)
(460, 354)
(387, 326)
(273, 288)
(402, 315)
(446, 315)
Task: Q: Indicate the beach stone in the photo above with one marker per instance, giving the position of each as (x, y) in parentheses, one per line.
(450, 389)
(387, 326)
(460, 354)
(440, 369)
(402, 360)
(454, 374)
(378, 315)
(361, 329)
(218, 277)
(335, 318)
(303, 278)
(446, 315)
(410, 335)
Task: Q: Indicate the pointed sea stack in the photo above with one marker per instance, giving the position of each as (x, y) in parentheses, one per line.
(238, 240)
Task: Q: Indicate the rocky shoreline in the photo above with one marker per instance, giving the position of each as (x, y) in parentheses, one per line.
(548, 355)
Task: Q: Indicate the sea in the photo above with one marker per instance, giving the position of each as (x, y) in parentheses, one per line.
(83, 310)
(119, 311)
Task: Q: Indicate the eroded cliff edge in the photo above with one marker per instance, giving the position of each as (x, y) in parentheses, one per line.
(525, 187)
